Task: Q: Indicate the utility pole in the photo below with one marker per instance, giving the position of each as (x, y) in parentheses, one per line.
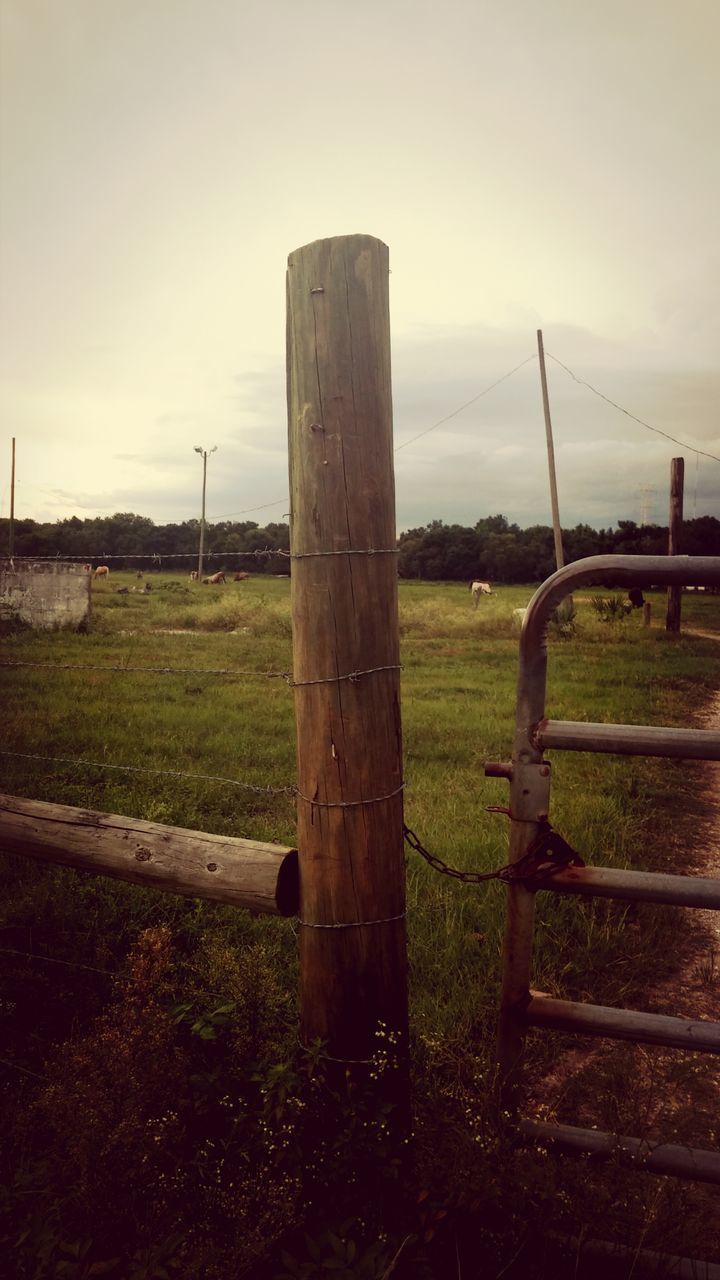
(199, 449)
(674, 595)
(11, 535)
(559, 557)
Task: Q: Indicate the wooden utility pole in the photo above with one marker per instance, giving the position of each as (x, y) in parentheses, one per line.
(559, 558)
(674, 595)
(353, 982)
(11, 533)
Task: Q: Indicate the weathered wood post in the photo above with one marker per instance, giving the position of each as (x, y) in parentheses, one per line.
(674, 595)
(557, 531)
(353, 982)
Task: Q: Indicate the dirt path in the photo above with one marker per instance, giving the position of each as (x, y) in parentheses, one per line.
(655, 1093)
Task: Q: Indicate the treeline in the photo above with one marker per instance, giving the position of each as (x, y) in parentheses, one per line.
(497, 551)
(492, 549)
(150, 545)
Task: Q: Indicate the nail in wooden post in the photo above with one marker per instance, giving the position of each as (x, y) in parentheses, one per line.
(677, 477)
(344, 610)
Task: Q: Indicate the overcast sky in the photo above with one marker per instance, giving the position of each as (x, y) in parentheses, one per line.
(530, 163)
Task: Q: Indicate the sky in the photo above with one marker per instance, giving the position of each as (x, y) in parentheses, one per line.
(530, 165)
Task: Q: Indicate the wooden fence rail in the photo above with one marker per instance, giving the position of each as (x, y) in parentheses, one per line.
(245, 873)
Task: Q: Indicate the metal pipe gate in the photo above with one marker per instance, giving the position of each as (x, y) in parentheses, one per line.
(529, 776)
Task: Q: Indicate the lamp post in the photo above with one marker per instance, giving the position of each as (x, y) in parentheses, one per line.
(205, 453)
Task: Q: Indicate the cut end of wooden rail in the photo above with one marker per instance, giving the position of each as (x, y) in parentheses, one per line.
(243, 873)
(287, 892)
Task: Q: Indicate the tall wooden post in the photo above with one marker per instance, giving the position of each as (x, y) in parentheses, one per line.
(11, 532)
(557, 532)
(353, 982)
(674, 595)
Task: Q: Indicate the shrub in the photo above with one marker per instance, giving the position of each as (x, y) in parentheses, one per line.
(611, 608)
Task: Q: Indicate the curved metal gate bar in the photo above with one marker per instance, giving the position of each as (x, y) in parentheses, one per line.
(529, 805)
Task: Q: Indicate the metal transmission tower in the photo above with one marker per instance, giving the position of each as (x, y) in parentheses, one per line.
(647, 500)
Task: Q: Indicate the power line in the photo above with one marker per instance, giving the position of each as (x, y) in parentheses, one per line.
(248, 510)
(264, 506)
(583, 383)
(467, 404)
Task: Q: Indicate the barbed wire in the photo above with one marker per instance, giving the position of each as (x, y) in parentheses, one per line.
(115, 974)
(352, 924)
(584, 383)
(290, 789)
(25, 1071)
(156, 556)
(137, 768)
(122, 668)
(348, 804)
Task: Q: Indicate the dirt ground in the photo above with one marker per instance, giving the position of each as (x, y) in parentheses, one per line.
(654, 1093)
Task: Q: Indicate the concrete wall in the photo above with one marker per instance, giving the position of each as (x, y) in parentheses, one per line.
(45, 594)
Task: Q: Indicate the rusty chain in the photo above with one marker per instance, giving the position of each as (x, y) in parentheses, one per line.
(547, 854)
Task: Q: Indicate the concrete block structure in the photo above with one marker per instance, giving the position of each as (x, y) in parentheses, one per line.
(45, 594)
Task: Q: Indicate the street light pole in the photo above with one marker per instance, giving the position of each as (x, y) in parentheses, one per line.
(204, 452)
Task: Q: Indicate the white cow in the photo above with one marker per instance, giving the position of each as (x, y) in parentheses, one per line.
(478, 589)
(519, 616)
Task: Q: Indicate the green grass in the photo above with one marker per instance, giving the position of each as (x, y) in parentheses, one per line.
(458, 695)
(458, 689)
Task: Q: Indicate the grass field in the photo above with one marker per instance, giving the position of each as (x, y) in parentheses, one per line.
(458, 688)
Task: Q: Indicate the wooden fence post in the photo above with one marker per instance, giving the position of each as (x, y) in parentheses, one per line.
(353, 979)
(674, 595)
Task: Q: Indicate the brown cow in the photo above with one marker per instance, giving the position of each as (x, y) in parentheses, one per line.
(216, 577)
(242, 576)
(102, 571)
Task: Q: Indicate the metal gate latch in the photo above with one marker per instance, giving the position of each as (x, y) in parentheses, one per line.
(547, 854)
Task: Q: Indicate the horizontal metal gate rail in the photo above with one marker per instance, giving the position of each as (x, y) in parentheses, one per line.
(529, 776)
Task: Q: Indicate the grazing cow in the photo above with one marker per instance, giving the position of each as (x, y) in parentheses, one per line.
(193, 575)
(241, 576)
(216, 577)
(102, 571)
(478, 589)
(519, 616)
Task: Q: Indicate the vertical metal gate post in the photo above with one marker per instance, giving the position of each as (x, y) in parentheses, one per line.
(674, 595)
(530, 777)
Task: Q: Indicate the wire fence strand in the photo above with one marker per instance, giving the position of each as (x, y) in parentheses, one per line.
(289, 790)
